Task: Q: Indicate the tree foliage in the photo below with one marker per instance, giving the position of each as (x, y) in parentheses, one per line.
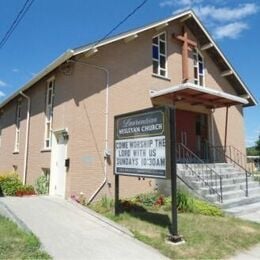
(257, 145)
(251, 151)
(254, 150)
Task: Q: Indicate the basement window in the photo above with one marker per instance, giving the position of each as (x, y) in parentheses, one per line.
(159, 55)
(17, 125)
(49, 112)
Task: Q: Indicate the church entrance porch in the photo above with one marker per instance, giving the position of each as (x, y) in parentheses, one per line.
(192, 128)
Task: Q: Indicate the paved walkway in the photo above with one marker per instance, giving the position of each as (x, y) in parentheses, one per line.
(251, 254)
(251, 213)
(68, 231)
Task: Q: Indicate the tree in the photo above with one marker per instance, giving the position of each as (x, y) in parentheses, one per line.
(257, 145)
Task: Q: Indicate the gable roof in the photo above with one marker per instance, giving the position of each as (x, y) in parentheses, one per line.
(193, 23)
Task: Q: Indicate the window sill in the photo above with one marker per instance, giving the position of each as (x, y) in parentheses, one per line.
(15, 152)
(45, 150)
(160, 77)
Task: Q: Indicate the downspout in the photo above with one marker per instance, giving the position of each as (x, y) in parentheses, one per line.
(106, 155)
(213, 133)
(226, 128)
(26, 137)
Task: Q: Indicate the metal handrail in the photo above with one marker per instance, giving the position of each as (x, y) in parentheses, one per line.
(235, 155)
(189, 158)
(223, 151)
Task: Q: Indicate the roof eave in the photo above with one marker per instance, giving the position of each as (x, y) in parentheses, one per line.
(70, 53)
(61, 59)
(206, 91)
(133, 32)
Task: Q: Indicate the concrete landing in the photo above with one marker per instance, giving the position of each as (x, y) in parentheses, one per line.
(248, 212)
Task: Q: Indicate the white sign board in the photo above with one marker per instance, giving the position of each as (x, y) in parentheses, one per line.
(140, 144)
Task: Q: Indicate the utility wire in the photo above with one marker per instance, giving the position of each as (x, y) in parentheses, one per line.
(121, 22)
(16, 21)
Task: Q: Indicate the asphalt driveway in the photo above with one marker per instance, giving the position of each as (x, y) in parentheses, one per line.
(69, 231)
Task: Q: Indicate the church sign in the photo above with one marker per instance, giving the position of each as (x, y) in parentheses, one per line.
(140, 143)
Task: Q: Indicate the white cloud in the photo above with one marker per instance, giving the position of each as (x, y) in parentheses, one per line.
(2, 94)
(15, 70)
(186, 3)
(2, 83)
(222, 17)
(232, 30)
(226, 14)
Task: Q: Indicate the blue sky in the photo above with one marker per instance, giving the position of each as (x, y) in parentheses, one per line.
(52, 26)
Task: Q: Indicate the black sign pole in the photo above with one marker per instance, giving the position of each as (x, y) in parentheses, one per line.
(174, 236)
(116, 194)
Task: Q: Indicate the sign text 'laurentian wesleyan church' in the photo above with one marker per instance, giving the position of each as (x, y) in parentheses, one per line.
(140, 143)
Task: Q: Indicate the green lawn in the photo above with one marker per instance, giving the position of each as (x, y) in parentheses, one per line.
(17, 244)
(207, 237)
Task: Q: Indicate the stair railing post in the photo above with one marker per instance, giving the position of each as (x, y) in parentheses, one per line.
(246, 184)
(221, 191)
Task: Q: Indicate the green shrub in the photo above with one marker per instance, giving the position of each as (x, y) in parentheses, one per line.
(103, 206)
(10, 183)
(184, 201)
(187, 203)
(42, 184)
(149, 199)
(204, 208)
(25, 190)
(257, 176)
(107, 203)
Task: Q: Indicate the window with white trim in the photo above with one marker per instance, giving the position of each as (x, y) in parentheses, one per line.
(17, 125)
(198, 66)
(49, 113)
(159, 55)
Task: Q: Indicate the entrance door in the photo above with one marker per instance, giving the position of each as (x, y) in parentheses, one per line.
(202, 136)
(58, 169)
(191, 130)
(186, 128)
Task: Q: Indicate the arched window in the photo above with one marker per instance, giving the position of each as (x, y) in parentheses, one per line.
(198, 67)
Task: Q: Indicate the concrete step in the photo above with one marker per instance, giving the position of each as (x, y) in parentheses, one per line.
(226, 195)
(231, 187)
(197, 182)
(234, 194)
(207, 174)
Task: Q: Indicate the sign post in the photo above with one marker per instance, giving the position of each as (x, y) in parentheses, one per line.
(145, 146)
(174, 236)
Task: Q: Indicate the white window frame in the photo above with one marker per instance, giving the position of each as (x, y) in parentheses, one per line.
(196, 64)
(49, 112)
(17, 125)
(160, 69)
